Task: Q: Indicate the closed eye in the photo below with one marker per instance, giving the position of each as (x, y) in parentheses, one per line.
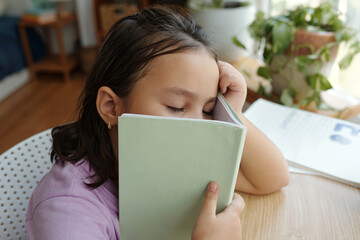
(210, 113)
(174, 109)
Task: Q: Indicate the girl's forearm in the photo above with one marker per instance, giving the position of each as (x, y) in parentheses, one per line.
(263, 168)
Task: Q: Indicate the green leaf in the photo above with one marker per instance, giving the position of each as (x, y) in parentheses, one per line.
(355, 45)
(237, 42)
(325, 54)
(334, 23)
(311, 80)
(302, 62)
(324, 83)
(259, 26)
(261, 90)
(339, 35)
(282, 36)
(268, 55)
(318, 82)
(316, 17)
(299, 15)
(315, 97)
(263, 72)
(344, 34)
(286, 97)
(346, 61)
(217, 3)
(301, 66)
(260, 16)
(304, 102)
(326, 6)
(307, 59)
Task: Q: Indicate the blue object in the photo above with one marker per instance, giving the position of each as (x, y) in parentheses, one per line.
(12, 58)
(340, 139)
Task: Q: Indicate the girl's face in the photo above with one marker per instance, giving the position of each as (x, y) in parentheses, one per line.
(182, 84)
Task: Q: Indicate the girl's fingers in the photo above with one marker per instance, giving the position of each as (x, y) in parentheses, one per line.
(230, 78)
(232, 85)
(237, 205)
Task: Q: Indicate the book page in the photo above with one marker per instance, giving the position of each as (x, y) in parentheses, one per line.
(328, 145)
(223, 112)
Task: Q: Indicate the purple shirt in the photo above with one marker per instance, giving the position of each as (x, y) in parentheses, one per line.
(63, 207)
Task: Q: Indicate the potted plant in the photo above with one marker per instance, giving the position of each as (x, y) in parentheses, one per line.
(299, 48)
(223, 19)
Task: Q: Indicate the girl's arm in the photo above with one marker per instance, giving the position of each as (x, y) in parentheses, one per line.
(263, 168)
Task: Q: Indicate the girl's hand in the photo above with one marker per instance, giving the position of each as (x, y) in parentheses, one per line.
(232, 85)
(225, 225)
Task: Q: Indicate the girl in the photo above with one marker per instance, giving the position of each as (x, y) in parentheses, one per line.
(156, 62)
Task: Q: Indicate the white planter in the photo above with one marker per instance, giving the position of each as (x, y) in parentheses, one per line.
(290, 76)
(221, 24)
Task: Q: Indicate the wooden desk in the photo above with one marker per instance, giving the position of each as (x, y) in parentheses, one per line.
(52, 63)
(310, 207)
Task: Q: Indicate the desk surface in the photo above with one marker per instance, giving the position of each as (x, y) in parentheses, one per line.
(310, 207)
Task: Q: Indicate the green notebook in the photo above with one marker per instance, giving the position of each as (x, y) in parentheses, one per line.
(165, 165)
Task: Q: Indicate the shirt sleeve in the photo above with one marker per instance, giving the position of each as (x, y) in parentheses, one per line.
(67, 218)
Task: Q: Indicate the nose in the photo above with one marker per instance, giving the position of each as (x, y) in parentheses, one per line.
(197, 114)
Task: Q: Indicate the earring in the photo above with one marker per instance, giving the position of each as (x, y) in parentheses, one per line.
(109, 126)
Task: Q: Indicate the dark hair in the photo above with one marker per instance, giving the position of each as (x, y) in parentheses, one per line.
(124, 58)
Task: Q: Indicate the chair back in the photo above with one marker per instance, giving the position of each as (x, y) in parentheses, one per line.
(21, 168)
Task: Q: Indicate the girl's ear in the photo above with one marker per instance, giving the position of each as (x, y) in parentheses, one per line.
(109, 105)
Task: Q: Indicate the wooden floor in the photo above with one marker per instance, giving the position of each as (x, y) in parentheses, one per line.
(40, 104)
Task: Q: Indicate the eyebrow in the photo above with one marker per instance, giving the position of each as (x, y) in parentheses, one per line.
(183, 92)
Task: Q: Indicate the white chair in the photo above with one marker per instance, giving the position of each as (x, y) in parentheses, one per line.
(21, 168)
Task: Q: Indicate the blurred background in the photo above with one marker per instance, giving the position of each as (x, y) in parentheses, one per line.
(47, 47)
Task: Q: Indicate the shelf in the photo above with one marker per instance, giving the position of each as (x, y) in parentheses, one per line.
(60, 20)
(62, 62)
(113, 16)
(53, 64)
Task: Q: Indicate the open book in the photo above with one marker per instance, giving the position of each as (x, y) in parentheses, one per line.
(310, 142)
(165, 165)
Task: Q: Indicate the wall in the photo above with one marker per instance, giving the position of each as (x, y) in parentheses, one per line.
(17, 7)
(86, 23)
